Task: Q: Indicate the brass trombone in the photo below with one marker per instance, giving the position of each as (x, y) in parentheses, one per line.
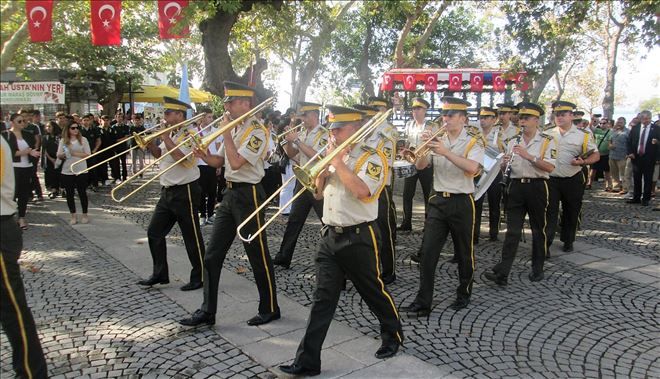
(202, 144)
(140, 140)
(307, 176)
(279, 138)
(423, 149)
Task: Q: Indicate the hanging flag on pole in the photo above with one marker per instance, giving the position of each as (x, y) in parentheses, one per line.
(40, 19)
(169, 14)
(184, 92)
(106, 22)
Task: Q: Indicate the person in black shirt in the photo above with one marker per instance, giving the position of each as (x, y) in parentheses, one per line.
(107, 139)
(137, 154)
(93, 135)
(51, 166)
(34, 139)
(120, 131)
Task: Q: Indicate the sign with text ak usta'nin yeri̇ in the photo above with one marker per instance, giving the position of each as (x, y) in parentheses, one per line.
(24, 93)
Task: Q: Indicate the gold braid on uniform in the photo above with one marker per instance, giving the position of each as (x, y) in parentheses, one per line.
(369, 151)
(477, 138)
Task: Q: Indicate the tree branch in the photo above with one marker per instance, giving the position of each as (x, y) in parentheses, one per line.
(11, 46)
(429, 27)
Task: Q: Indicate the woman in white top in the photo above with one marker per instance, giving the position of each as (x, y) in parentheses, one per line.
(21, 152)
(72, 148)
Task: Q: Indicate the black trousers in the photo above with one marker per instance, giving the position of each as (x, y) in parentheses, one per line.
(23, 188)
(114, 167)
(525, 198)
(177, 205)
(102, 169)
(272, 180)
(494, 196)
(209, 185)
(456, 215)
(386, 222)
(352, 254)
(642, 170)
(17, 321)
(569, 191)
(71, 184)
(237, 203)
(297, 217)
(425, 178)
(92, 175)
(36, 185)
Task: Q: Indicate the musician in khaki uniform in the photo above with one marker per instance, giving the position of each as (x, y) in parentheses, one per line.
(178, 203)
(302, 146)
(350, 187)
(507, 128)
(383, 139)
(530, 159)
(457, 157)
(494, 145)
(576, 148)
(242, 154)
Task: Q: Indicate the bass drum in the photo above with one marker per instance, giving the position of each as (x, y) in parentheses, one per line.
(492, 160)
(403, 169)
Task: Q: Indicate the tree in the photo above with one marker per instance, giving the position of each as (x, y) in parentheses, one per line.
(652, 104)
(14, 32)
(410, 43)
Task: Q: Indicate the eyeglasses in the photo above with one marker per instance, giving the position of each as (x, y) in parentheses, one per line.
(73, 128)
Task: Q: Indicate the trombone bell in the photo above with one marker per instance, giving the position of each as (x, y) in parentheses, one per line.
(305, 177)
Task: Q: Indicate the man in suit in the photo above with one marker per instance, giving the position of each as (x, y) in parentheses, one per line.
(643, 152)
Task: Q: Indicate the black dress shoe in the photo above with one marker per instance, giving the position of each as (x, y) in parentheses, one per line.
(417, 257)
(492, 238)
(153, 280)
(387, 349)
(198, 318)
(404, 228)
(633, 201)
(418, 309)
(389, 279)
(297, 370)
(263, 318)
(459, 304)
(645, 203)
(536, 277)
(568, 247)
(191, 286)
(498, 279)
(280, 261)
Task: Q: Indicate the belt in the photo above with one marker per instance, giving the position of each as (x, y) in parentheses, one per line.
(449, 194)
(348, 229)
(528, 180)
(565, 177)
(236, 185)
(176, 186)
(7, 217)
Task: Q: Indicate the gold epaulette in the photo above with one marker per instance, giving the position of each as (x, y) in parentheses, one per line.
(369, 149)
(506, 141)
(474, 132)
(547, 136)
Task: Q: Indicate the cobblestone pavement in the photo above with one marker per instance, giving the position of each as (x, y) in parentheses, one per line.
(95, 322)
(576, 323)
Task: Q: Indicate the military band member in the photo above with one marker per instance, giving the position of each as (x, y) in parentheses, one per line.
(350, 187)
(178, 203)
(507, 128)
(243, 156)
(384, 139)
(576, 148)
(414, 130)
(457, 158)
(301, 147)
(491, 133)
(531, 160)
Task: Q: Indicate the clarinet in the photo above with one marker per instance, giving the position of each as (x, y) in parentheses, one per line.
(506, 176)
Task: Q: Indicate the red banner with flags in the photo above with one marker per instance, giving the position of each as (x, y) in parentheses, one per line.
(40, 19)
(106, 22)
(431, 82)
(477, 82)
(388, 83)
(409, 83)
(499, 84)
(455, 82)
(521, 82)
(169, 14)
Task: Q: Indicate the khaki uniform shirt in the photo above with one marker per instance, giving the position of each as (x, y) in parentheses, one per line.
(184, 172)
(570, 145)
(510, 132)
(447, 177)
(493, 140)
(340, 207)
(383, 139)
(414, 132)
(7, 181)
(317, 138)
(251, 140)
(542, 146)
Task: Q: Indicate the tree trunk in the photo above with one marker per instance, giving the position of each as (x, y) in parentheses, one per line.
(217, 61)
(560, 87)
(364, 72)
(11, 46)
(421, 42)
(8, 10)
(612, 51)
(544, 77)
(111, 101)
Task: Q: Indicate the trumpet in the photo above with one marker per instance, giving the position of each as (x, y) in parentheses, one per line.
(279, 138)
(201, 143)
(423, 149)
(140, 140)
(506, 176)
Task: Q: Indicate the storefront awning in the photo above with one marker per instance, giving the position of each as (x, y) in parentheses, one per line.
(154, 94)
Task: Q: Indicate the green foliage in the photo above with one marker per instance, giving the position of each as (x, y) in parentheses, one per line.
(652, 104)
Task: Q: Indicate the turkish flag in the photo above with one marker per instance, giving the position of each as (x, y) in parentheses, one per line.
(388, 83)
(169, 14)
(477, 82)
(431, 82)
(106, 22)
(40, 19)
(521, 81)
(455, 82)
(499, 85)
(409, 82)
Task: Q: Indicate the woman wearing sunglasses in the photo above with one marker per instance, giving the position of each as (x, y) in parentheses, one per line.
(22, 152)
(74, 147)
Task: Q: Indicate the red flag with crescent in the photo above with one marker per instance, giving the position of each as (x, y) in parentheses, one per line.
(409, 82)
(170, 12)
(521, 81)
(431, 82)
(499, 85)
(40, 19)
(388, 83)
(455, 82)
(477, 82)
(106, 22)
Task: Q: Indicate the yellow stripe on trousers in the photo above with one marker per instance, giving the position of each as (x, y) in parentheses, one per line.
(545, 219)
(263, 251)
(194, 224)
(19, 316)
(382, 285)
(474, 213)
(389, 230)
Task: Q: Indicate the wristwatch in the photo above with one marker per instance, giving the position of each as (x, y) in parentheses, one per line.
(535, 160)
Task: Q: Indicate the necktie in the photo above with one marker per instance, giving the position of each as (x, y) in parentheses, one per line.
(642, 141)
